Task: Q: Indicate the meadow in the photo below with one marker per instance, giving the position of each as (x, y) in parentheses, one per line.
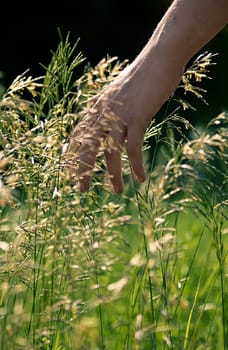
(143, 270)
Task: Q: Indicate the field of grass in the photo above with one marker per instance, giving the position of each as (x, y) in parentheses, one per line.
(143, 270)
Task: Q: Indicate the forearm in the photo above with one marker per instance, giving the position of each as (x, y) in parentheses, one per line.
(139, 91)
(185, 28)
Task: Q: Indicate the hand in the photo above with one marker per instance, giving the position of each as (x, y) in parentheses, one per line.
(121, 113)
(118, 118)
(110, 124)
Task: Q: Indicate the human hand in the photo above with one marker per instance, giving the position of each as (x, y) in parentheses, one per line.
(107, 125)
(118, 118)
(120, 114)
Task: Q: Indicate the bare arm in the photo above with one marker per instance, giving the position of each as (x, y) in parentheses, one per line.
(140, 90)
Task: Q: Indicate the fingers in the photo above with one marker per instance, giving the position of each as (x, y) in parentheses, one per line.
(113, 161)
(135, 155)
(84, 146)
(87, 157)
(89, 148)
(85, 143)
(134, 149)
(81, 153)
(113, 158)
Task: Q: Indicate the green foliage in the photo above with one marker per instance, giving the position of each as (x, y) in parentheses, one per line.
(146, 270)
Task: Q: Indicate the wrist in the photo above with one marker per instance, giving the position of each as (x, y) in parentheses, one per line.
(154, 76)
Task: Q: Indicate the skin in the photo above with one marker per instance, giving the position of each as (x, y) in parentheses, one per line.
(121, 113)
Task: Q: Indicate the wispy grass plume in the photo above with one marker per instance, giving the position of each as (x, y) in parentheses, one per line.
(144, 270)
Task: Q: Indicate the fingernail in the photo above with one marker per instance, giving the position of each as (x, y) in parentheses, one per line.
(83, 187)
(117, 189)
(141, 178)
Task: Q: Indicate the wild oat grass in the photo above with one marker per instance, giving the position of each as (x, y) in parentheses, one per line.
(144, 270)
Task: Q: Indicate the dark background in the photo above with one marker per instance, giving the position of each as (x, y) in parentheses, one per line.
(102, 27)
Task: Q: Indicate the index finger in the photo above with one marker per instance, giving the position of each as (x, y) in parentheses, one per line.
(87, 158)
(81, 153)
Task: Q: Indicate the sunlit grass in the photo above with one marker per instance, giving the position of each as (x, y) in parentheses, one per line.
(144, 270)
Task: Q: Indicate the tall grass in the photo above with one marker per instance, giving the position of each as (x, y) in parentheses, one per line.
(144, 270)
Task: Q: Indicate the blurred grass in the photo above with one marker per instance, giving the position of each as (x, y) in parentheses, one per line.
(147, 270)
